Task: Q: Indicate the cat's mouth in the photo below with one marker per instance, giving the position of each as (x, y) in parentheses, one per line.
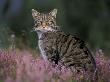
(42, 30)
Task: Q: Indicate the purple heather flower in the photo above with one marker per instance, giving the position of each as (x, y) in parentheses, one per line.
(22, 66)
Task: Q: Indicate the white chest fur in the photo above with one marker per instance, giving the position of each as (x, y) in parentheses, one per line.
(40, 44)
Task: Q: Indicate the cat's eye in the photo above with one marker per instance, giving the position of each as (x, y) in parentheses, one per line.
(39, 23)
(35, 21)
(50, 22)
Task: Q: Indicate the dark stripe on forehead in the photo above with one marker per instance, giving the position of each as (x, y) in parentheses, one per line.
(44, 16)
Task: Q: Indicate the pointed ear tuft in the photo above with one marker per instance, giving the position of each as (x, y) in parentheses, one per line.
(53, 13)
(35, 13)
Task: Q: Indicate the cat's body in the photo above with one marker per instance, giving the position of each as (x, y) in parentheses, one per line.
(64, 48)
(58, 46)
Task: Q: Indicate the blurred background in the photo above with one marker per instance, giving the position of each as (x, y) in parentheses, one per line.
(87, 19)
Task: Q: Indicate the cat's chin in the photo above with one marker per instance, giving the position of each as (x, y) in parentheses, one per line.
(42, 30)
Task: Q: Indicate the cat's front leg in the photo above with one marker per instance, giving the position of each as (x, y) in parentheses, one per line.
(42, 51)
(44, 55)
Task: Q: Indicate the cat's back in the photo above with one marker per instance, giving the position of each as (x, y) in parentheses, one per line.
(72, 51)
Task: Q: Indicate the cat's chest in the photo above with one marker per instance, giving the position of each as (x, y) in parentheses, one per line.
(41, 48)
(46, 44)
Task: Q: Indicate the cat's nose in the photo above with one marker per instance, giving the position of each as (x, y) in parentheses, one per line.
(44, 24)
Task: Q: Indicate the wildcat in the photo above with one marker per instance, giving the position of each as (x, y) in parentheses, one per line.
(57, 46)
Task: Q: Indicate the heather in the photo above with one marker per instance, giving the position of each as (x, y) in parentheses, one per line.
(22, 66)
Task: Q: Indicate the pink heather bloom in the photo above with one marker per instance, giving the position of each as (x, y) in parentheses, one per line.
(23, 67)
(7, 65)
(103, 66)
(8, 79)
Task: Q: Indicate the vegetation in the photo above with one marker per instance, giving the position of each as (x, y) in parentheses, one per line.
(89, 20)
(22, 66)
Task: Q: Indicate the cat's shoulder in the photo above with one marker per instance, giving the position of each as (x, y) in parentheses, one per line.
(62, 33)
(69, 35)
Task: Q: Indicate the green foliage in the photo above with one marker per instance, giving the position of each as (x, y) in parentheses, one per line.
(90, 21)
(1, 81)
(87, 19)
(4, 36)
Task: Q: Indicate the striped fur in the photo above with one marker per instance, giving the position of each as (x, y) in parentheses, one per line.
(57, 46)
(70, 50)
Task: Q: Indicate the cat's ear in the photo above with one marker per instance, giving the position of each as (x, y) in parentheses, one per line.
(53, 13)
(35, 13)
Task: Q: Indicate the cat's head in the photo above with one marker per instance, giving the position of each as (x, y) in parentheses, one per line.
(45, 22)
